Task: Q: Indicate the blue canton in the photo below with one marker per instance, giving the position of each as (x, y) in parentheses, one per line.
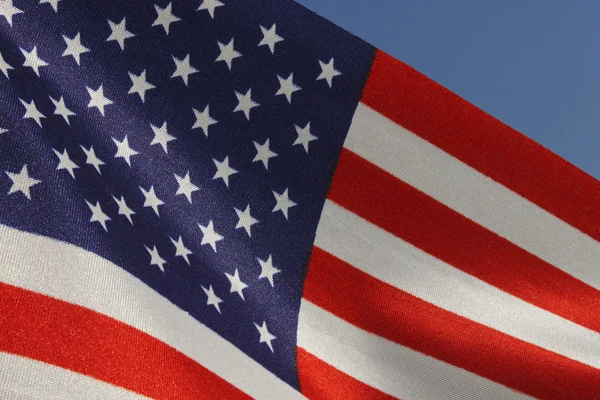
(189, 142)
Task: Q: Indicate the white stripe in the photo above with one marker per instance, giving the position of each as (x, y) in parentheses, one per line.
(400, 264)
(474, 195)
(387, 366)
(69, 273)
(26, 379)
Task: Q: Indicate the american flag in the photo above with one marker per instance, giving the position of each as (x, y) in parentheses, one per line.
(232, 199)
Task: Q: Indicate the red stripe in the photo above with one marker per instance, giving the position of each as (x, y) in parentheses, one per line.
(381, 309)
(321, 381)
(402, 210)
(92, 344)
(451, 123)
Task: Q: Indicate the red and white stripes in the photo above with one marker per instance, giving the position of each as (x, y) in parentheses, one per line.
(455, 258)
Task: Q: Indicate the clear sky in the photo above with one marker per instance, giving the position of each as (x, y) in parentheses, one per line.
(534, 64)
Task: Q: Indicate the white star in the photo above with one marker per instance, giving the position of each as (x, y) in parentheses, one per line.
(2, 130)
(186, 187)
(124, 208)
(181, 250)
(213, 299)
(210, 5)
(33, 60)
(4, 66)
(283, 203)
(245, 220)
(22, 182)
(151, 199)
(92, 159)
(140, 85)
(183, 69)
(53, 3)
(156, 259)
(97, 99)
(61, 109)
(270, 38)
(237, 286)
(328, 72)
(32, 112)
(203, 120)
(98, 215)
(7, 9)
(268, 270)
(224, 171)
(165, 17)
(287, 87)
(265, 335)
(65, 162)
(245, 103)
(161, 136)
(263, 153)
(119, 33)
(304, 136)
(123, 150)
(209, 236)
(228, 53)
(74, 48)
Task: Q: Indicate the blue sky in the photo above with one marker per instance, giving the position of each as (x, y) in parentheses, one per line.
(533, 64)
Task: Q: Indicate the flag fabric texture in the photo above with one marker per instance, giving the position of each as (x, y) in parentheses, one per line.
(238, 199)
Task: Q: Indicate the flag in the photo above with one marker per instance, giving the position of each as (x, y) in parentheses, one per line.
(238, 199)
